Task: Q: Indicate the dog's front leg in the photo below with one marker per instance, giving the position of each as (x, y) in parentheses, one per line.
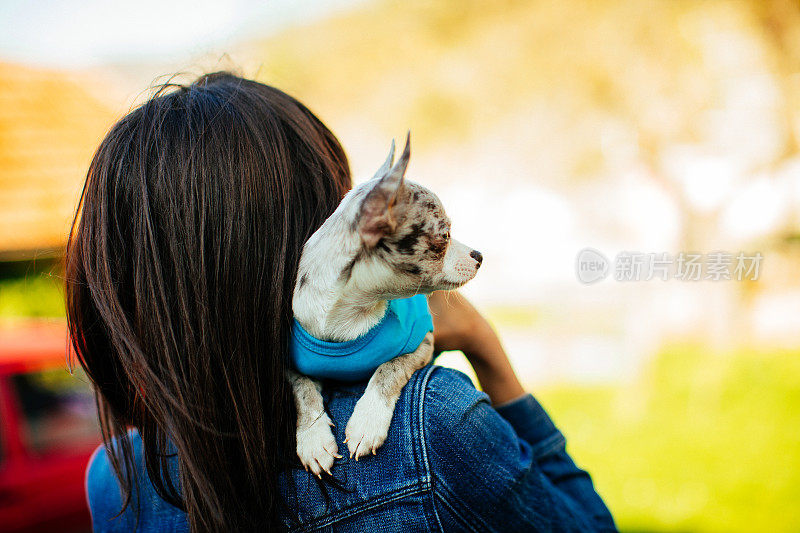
(368, 426)
(316, 446)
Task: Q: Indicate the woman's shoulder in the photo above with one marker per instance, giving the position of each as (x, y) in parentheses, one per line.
(449, 393)
(104, 495)
(103, 492)
(99, 475)
(440, 401)
(433, 402)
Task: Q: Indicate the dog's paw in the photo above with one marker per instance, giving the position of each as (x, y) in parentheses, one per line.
(316, 446)
(367, 428)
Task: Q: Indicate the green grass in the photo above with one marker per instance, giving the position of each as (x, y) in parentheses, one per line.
(701, 442)
(38, 295)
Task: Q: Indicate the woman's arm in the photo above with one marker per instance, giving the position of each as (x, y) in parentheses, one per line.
(459, 326)
(504, 467)
(488, 477)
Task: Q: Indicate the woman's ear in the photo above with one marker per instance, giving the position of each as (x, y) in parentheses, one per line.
(382, 204)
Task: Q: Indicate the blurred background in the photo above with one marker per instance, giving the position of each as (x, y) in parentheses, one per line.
(546, 127)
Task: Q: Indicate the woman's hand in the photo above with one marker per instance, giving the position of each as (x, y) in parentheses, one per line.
(457, 325)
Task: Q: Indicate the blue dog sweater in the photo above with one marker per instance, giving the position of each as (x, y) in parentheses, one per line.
(400, 331)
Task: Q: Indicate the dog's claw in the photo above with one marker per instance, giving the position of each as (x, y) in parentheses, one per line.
(358, 455)
(316, 447)
(332, 454)
(367, 428)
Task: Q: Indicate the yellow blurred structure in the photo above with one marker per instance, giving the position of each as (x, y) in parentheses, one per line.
(50, 124)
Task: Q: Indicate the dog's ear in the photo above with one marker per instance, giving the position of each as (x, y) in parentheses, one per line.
(380, 206)
(387, 165)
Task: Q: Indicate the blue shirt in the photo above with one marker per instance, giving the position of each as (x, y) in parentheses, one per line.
(451, 463)
(401, 330)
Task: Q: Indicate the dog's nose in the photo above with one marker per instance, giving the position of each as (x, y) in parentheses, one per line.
(477, 256)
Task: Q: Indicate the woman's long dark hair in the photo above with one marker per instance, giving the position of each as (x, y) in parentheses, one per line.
(180, 270)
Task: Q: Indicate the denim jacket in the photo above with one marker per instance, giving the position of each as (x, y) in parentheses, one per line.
(451, 462)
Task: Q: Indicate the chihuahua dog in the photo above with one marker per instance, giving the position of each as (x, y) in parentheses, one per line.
(389, 238)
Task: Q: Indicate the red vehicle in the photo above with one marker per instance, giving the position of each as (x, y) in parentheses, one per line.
(48, 430)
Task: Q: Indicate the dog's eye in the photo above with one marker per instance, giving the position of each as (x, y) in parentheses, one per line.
(447, 236)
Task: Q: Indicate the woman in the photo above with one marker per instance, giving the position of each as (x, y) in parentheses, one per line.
(180, 269)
